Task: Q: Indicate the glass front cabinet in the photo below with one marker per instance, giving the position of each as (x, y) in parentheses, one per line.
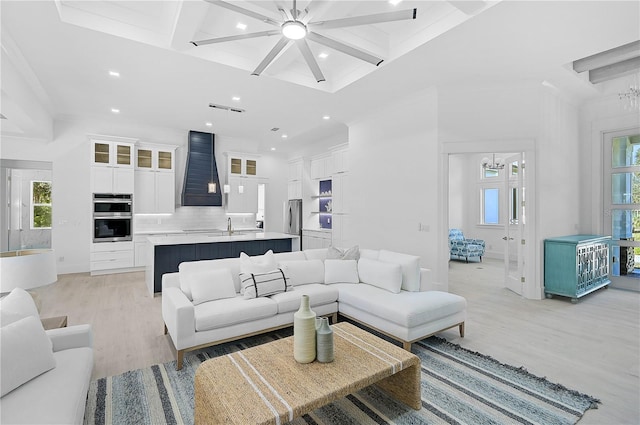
(576, 265)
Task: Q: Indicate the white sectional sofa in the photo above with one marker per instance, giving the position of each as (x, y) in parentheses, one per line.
(45, 374)
(205, 303)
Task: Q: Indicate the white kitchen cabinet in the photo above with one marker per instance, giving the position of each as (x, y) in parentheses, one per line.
(294, 189)
(111, 257)
(294, 183)
(241, 164)
(242, 196)
(340, 231)
(112, 167)
(321, 167)
(155, 184)
(340, 161)
(296, 170)
(312, 239)
(112, 180)
(155, 158)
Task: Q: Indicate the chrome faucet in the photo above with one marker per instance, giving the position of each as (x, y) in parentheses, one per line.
(229, 228)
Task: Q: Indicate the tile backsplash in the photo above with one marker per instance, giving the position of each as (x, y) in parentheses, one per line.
(192, 218)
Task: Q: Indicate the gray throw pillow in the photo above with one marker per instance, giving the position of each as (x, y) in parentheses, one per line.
(352, 253)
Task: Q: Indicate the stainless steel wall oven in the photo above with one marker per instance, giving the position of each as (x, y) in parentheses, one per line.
(112, 217)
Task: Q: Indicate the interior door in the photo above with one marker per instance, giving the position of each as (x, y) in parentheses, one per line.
(621, 189)
(514, 208)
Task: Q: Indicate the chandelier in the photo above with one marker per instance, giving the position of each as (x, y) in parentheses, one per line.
(631, 97)
(495, 164)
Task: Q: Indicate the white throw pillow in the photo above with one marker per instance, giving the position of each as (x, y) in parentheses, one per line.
(303, 272)
(410, 268)
(386, 276)
(258, 263)
(17, 305)
(26, 353)
(263, 284)
(210, 285)
(352, 253)
(340, 271)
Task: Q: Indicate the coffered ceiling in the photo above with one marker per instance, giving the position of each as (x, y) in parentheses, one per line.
(57, 54)
(173, 24)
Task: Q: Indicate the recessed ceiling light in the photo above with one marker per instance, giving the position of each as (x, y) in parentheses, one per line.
(273, 149)
(284, 136)
(323, 55)
(236, 98)
(395, 2)
(114, 73)
(208, 124)
(241, 26)
(115, 110)
(326, 117)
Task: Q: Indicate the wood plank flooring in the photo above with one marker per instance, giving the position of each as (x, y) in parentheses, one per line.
(592, 346)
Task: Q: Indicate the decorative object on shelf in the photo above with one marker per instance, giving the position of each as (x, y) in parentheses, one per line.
(324, 342)
(329, 206)
(631, 98)
(304, 333)
(495, 164)
(326, 193)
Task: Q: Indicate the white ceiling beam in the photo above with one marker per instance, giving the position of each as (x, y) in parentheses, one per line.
(187, 21)
(609, 72)
(468, 7)
(608, 57)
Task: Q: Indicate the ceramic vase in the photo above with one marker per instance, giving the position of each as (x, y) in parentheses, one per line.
(304, 333)
(324, 342)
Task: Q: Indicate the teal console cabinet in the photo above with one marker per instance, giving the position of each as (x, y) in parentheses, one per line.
(575, 265)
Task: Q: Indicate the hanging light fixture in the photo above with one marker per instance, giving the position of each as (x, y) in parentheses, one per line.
(212, 187)
(631, 98)
(495, 164)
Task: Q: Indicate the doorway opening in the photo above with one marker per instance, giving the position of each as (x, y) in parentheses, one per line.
(487, 200)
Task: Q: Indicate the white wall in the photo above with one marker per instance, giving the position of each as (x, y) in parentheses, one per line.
(393, 177)
(510, 119)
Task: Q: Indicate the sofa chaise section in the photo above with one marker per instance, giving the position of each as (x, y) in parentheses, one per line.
(406, 309)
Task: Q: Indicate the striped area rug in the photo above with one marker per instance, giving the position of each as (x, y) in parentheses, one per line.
(458, 387)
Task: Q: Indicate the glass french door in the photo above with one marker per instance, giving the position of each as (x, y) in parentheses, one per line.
(514, 206)
(621, 172)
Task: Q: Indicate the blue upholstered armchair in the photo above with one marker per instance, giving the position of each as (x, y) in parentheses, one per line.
(460, 247)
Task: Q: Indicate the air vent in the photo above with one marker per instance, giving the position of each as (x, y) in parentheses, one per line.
(226, 108)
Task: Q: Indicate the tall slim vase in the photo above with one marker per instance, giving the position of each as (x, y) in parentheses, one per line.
(304, 333)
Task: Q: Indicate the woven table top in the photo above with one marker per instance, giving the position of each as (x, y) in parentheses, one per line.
(265, 385)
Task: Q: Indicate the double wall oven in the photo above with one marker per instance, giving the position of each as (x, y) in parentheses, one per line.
(112, 217)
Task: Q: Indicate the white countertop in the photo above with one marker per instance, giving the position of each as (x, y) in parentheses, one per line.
(195, 231)
(189, 238)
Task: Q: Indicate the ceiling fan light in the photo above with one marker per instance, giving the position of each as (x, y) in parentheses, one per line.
(294, 30)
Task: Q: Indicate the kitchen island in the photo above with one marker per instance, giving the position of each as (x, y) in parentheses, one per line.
(165, 253)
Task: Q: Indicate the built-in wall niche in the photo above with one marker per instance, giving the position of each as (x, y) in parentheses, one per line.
(325, 204)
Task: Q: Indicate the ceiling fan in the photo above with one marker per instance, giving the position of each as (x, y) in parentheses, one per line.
(297, 27)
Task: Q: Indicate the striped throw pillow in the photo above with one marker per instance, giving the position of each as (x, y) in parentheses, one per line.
(264, 284)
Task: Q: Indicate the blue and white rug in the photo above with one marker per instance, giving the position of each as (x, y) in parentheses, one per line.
(458, 387)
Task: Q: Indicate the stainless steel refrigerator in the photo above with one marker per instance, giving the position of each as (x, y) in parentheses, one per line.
(293, 220)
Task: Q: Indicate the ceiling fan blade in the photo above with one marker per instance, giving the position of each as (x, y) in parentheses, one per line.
(246, 12)
(235, 37)
(341, 47)
(365, 20)
(281, 44)
(303, 46)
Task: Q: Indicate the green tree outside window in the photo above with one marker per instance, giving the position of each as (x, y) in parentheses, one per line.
(41, 205)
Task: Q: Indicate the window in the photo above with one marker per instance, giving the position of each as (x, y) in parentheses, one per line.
(40, 204)
(490, 205)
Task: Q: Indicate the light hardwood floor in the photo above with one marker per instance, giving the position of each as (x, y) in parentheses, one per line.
(592, 346)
